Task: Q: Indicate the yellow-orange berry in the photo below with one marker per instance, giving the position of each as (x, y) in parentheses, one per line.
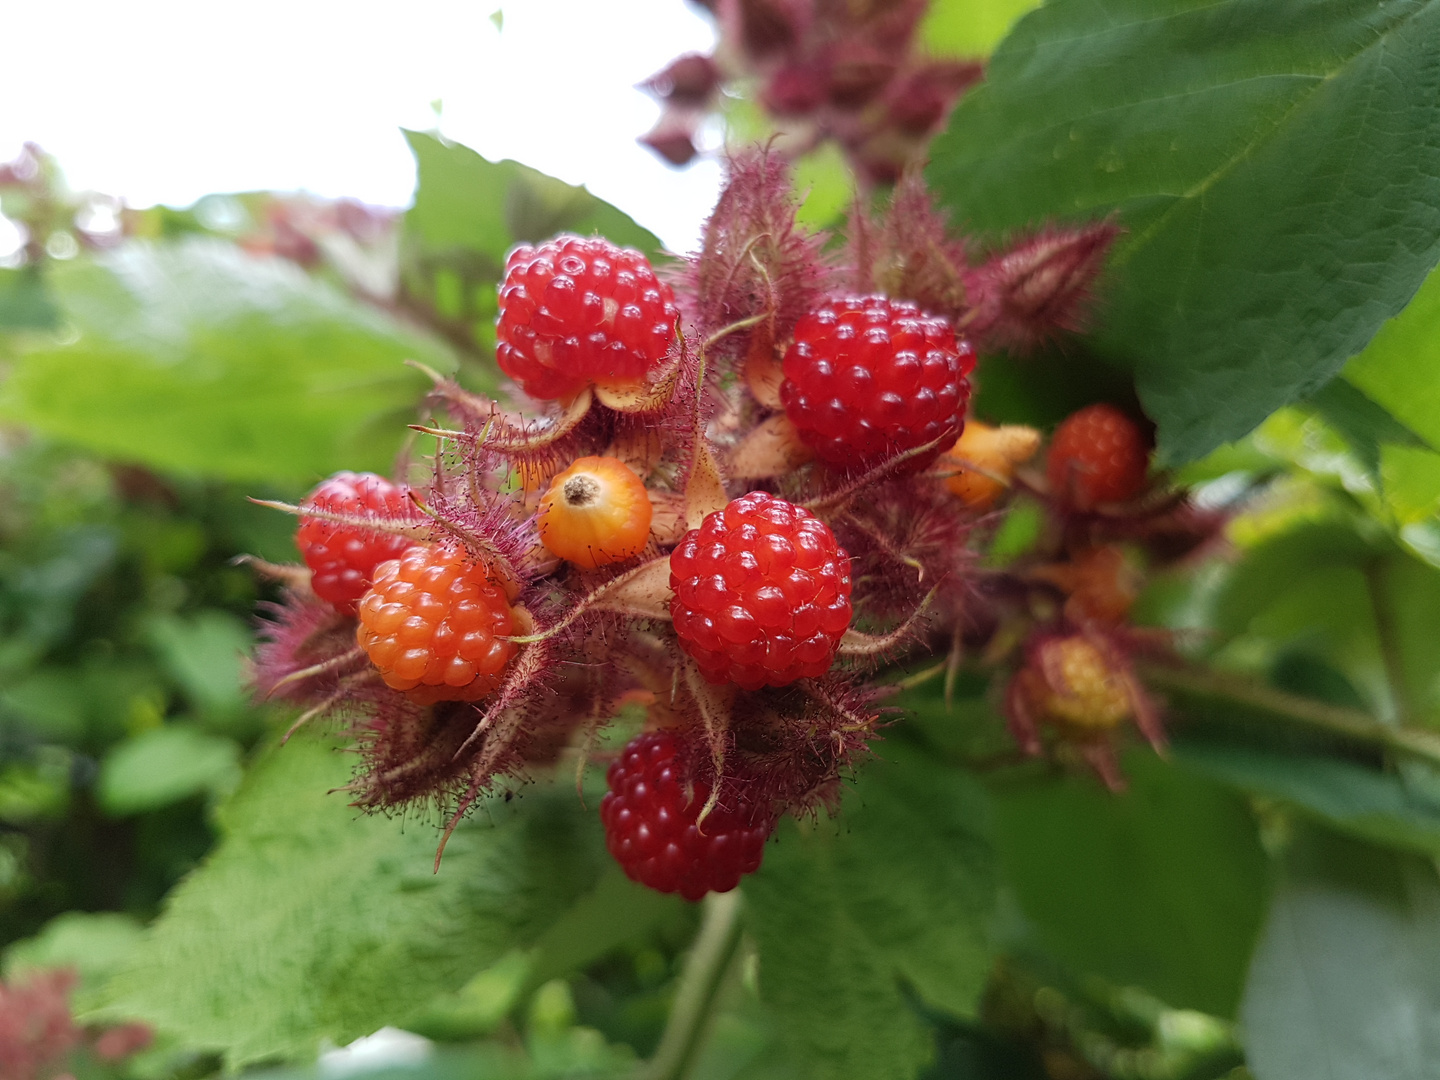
(434, 624)
(984, 459)
(595, 513)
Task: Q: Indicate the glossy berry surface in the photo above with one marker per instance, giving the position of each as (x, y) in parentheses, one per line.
(433, 624)
(342, 558)
(576, 311)
(1098, 455)
(761, 593)
(650, 815)
(595, 513)
(867, 378)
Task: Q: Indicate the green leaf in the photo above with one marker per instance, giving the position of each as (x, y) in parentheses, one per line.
(205, 653)
(1363, 423)
(1346, 979)
(198, 358)
(310, 922)
(970, 27)
(164, 766)
(95, 944)
(1400, 368)
(1275, 166)
(464, 201)
(1380, 807)
(1163, 887)
(24, 303)
(896, 894)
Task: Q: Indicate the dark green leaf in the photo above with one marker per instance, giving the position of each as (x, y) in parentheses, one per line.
(848, 913)
(464, 201)
(1346, 979)
(1364, 424)
(1163, 887)
(312, 922)
(1276, 166)
(199, 358)
(1375, 806)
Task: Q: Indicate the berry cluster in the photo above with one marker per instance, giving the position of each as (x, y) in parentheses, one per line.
(751, 488)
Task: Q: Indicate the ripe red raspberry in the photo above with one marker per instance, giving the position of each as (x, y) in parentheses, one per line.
(434, 625)
(342, 558)
(762, 593)
(649, 817)
(867, 378)
(575, 311)
(1098, 455)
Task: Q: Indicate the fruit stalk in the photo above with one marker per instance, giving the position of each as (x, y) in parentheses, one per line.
(690, 1017)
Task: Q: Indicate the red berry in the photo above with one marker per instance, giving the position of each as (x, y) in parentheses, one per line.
(650, 828)
(434, 624)
(1098, 455)
(867, 378)
(762, 593)
(575, 311)
(342, 558)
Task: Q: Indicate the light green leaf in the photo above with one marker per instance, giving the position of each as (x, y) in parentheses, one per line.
(1411, 477)
(95, 944)
(1162, 887)
(312, 922)
(970, 27)
(1346, 979)
(164, 766)
(848, 913)
(24, 303)
(205, 654)
(198, 358)
(1275, 165)
(1400, 368)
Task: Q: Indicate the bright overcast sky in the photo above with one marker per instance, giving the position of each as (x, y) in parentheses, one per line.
(165, 101)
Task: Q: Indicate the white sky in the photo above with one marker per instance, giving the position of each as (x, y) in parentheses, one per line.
(168, 100)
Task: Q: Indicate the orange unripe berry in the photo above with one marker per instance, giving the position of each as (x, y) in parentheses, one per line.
(434, 624)
(595, 513)
(985, 458)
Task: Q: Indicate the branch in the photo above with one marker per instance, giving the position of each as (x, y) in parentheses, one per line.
(689, 1023)
(1336, 719)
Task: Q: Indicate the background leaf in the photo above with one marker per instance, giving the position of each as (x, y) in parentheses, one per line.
(1276, 166)
(198, 358)
(1346, 978)
(310, 922)
(1164, 887)
(896, 894)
